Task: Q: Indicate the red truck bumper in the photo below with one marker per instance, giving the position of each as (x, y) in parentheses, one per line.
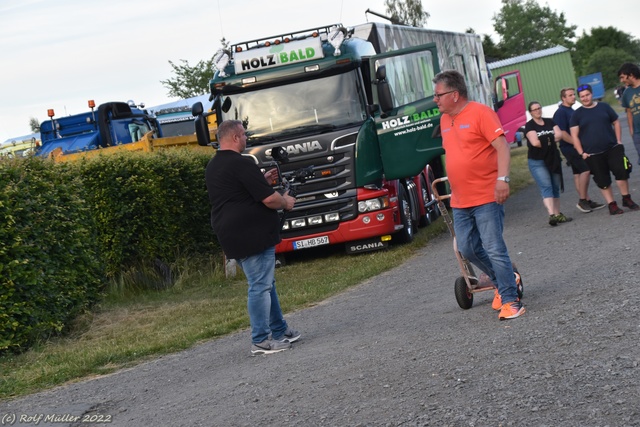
(365, 227)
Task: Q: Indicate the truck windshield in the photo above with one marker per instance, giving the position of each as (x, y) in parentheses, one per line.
(318, 105)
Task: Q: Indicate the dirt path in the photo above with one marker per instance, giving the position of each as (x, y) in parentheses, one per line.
(397, 350)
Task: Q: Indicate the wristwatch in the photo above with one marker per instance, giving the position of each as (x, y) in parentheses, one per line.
(504, 178)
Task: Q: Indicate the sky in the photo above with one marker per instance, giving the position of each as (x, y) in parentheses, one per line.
(60, 54)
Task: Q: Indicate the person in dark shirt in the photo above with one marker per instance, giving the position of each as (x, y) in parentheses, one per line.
(581, 174)
(596, 134)
(629, 75)
(544, 161)
(244, 216)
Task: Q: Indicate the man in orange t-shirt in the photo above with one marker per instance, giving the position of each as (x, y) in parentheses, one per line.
(478, 160)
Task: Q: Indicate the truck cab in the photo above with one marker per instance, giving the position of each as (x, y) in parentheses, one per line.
(113, 124)
(510, 105)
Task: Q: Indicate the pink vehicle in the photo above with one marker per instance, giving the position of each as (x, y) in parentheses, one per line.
(510, 104)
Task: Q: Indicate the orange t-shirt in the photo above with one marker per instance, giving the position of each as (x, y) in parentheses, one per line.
(472, 162)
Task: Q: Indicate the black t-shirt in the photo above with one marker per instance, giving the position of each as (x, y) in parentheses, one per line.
(548, 150)
(545, 135)
(236, 187)
(596, 130)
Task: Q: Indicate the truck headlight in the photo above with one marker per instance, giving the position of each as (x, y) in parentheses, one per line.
(373, 204)
(298, 223)
(332, 217)
(315, 220)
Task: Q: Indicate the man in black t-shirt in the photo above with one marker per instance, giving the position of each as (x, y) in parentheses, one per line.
(244, 217)
(581, 174)
(595, 130)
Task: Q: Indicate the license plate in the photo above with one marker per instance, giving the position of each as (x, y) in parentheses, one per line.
(310, 243)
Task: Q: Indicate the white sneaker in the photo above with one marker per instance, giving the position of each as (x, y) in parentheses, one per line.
(269, 346)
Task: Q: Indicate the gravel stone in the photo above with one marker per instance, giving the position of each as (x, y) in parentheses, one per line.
(398, 351)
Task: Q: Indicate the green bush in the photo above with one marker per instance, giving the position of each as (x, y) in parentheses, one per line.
(148, 207)
(67, 229)
(50, 267)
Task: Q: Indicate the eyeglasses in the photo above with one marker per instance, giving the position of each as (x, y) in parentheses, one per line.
(440, 95)
(536, 109)
(584, 87)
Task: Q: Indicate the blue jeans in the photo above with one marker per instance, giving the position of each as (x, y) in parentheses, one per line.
(479, 239)
(548, 183)
(263, 304)
(636, 143)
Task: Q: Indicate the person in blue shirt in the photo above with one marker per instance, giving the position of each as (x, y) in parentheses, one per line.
(629, 75)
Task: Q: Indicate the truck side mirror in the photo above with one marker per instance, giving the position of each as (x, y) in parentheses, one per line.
(202, 127)
(226, 105)
(197, 109)
(384, 91)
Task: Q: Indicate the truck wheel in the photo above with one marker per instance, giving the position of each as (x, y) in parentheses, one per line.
(404, 206)
(435, 210)
(432, 213)
(426, 218)
(463, 296)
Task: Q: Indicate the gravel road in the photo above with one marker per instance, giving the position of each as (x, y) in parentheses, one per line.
(397, 349)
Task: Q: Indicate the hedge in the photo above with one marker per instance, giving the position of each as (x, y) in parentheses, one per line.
(50, 267)
(148, 206)
(66, 229)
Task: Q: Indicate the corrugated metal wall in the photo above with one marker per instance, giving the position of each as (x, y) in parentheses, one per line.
(543, 77)
(458, 51)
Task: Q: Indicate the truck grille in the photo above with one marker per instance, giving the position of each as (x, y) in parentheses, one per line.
(331, 188)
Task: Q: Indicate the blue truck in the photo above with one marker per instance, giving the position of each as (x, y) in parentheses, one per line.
(113, 124)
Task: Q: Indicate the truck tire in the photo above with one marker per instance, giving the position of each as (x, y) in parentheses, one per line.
(404, 207)
(431, 213)
(424, 219)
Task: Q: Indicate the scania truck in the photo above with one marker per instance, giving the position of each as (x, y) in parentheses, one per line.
(355, 106)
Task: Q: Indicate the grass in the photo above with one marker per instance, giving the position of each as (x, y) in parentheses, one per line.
(133, 325)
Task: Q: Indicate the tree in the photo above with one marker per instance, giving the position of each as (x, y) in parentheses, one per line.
(34, 124)
(492, 52)
(408, 12)
(525, 27)
(599, 37)
(191, 81)
(607, 60)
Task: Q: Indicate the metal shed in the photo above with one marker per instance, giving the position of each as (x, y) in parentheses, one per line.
(543, 73)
